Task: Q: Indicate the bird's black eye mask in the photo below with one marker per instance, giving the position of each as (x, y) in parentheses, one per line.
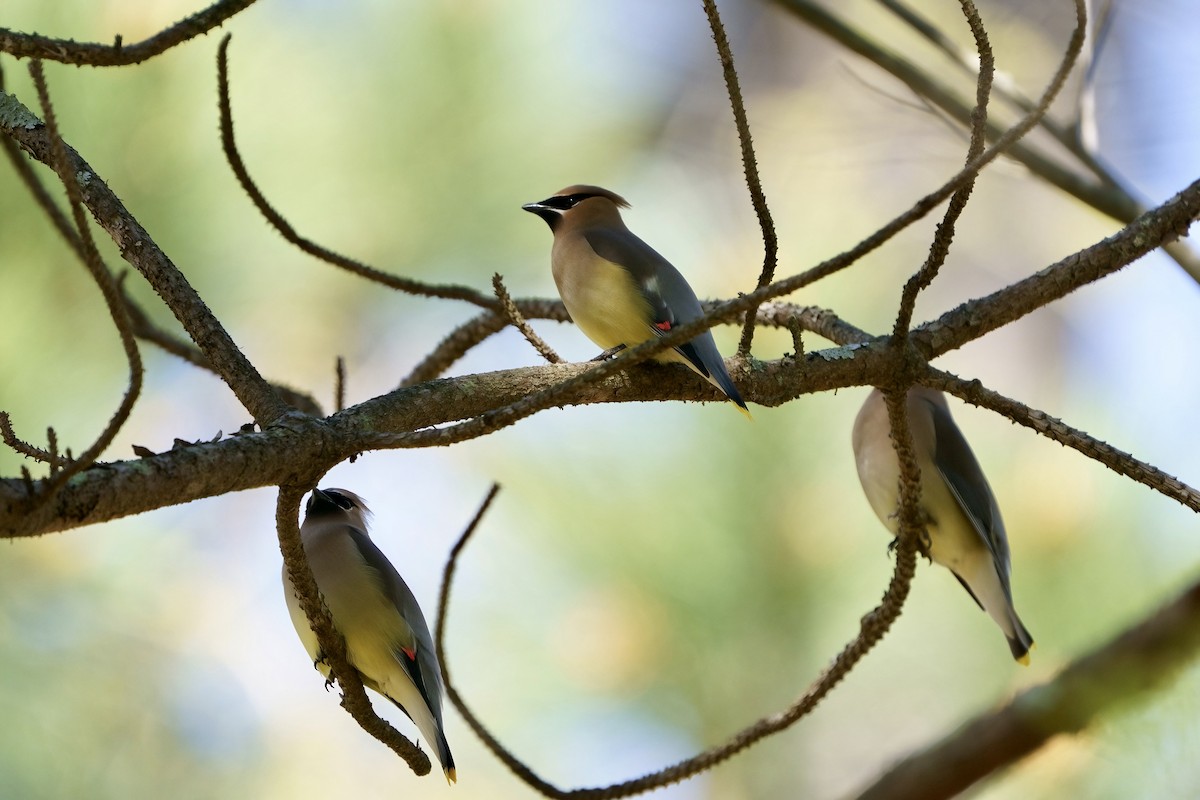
(569, 201)
(343, 502)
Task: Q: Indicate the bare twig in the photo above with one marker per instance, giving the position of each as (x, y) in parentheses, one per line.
(445, 291)
(1005, 89)
(749, 166)
(1109, 197)
(339, 389)
(10, 438)
(333, 646)
(475, 331)
(519, 322)
(958, 202)
(31, 45)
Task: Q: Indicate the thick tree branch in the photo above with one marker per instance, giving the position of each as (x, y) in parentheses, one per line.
(108, 492)
(111, 491)
(1140, 661)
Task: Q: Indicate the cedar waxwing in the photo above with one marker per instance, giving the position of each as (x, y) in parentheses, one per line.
(617, 289)
(963, 528)
(387, 639)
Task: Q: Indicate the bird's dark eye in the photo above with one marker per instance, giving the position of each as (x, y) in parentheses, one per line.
(561, 203)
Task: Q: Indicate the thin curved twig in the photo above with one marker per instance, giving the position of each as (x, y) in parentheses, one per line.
(67, 51)
(758, 198)
(285, 229)
(112, 298)
(48, 456)
(872, 629)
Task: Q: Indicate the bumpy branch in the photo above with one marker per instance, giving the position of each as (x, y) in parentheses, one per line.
(254, 460)
(958, 201)
(519, 322)
(758, 198)
(1118, 461)
(31, 45)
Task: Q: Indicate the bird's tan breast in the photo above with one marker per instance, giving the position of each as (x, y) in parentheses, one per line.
(602, 298)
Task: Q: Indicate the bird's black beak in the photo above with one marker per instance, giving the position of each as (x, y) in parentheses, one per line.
(320, 503)
(551, 215)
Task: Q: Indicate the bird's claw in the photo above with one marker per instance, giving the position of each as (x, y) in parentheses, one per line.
(609, 353)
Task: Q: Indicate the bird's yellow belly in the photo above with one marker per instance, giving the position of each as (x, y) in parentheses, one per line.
(606, 304)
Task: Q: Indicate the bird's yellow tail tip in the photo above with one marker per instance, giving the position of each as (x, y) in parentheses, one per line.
(451, 776)
(745, 411)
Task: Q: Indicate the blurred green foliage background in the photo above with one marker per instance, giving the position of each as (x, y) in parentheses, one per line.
(653, 577)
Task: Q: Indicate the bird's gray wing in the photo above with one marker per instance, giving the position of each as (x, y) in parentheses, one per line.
(672, 301)
(961, 471)
(416, 656)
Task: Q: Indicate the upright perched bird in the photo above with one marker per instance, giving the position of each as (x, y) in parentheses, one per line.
(387, 639)
(617, 289)
(963, 527)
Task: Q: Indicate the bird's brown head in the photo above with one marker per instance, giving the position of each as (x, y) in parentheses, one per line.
(578, 200)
